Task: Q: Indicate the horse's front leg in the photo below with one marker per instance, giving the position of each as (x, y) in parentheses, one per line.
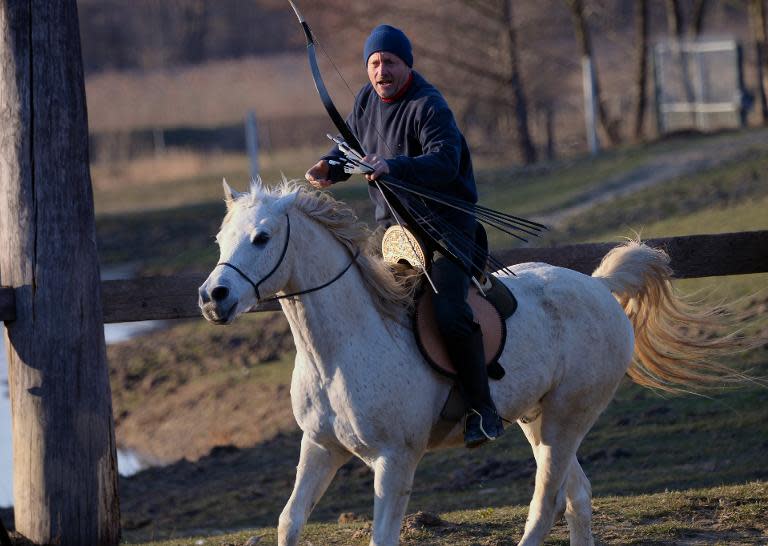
(392, 484)
(317, 467)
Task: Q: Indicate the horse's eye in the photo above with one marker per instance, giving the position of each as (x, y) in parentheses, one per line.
(260, 238)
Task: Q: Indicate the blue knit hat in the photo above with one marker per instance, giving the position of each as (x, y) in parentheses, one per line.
(389, 39)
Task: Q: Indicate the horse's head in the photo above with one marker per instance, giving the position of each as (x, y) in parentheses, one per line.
(254, 261)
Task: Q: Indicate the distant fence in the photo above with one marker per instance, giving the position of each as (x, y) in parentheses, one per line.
(274, 134)
(173, 297)
(699, 85)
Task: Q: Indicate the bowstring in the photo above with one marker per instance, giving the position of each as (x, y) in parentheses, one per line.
(377, 182)
(351, 92)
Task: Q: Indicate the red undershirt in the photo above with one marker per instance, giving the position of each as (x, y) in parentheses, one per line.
(397, 96)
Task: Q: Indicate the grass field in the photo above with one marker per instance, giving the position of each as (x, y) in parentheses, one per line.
(643, 444)
(687, 469)
(725, 515)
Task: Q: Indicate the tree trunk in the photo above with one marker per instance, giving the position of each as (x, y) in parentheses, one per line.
(519, 102)
(549, 129)
(193, 18)
(585, 44)
(697, 19)
(675, 24)
(65, 476)
(641, 73)
(676, 33)
(757, 20)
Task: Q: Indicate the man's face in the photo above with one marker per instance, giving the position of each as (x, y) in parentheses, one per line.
(388, 73)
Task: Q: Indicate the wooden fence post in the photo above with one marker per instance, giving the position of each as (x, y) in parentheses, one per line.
(65, 475)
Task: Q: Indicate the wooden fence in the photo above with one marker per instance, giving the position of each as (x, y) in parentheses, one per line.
(172, 297)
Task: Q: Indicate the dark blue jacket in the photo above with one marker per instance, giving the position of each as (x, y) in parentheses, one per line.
(418, 136)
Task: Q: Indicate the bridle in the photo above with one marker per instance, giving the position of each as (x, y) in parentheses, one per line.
(256, 285)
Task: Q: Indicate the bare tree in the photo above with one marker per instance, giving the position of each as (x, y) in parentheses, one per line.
(515, 81)
(585, 44)
(488, 51)
(641, 72)
(676, 29)
(675, 24)
(697, 18)
(481, 60)
(193, 18)
(757, 19)
(676, 18)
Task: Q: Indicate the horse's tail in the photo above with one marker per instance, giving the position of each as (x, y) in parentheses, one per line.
(674, 339)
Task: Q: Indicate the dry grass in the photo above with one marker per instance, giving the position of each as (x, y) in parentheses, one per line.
(207, 95)
(181, 178)
(169, 167)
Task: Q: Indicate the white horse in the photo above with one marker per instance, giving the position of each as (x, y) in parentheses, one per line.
(360, 386)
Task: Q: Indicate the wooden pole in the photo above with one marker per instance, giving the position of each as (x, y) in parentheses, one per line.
(65, 475)
(590, 104)
(252, 143)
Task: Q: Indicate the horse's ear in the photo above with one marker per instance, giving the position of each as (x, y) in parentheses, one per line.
(230, 195)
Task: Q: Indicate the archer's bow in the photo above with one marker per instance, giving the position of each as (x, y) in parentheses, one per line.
(392, 200)
(337, 119)
(386, 184)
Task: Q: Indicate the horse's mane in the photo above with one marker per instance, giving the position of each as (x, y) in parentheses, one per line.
(391, 294)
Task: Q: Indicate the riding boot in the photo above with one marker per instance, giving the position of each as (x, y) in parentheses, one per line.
(482, 422)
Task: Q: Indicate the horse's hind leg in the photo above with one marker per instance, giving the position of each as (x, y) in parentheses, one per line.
(578, 507)
(554, 447)
(316, 469)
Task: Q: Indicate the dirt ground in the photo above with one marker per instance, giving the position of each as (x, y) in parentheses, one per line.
(180, 392)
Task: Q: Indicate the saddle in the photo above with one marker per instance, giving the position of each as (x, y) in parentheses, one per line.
(490, 308)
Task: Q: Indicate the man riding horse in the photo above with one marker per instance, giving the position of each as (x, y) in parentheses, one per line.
(410, 133)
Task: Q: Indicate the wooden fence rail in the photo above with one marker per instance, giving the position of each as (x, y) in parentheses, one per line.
(172, 297)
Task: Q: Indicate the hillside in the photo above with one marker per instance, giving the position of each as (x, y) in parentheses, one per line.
(205, 70)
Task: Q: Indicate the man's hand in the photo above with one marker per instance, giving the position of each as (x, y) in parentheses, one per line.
(318, 175)
(379, 166)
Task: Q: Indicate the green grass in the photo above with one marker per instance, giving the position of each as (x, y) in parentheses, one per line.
(525, 194)
(548, 188)
(719, 515)
(730, 197)
(747, 216)
(177, 230)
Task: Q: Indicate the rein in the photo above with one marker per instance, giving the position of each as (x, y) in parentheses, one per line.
(279, 261)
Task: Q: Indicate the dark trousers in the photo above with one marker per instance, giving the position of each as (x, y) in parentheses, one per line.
(452, 312)
(453, 315)
(461, 334)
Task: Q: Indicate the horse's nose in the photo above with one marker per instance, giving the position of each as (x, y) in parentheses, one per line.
(203, 293)
(220, 293)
